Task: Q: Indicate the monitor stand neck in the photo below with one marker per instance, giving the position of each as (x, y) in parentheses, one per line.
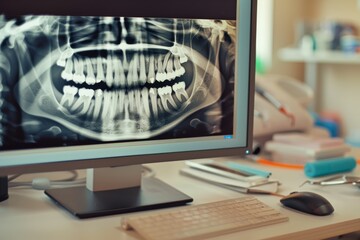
(3, 188)
(116, 190)
(104, 179)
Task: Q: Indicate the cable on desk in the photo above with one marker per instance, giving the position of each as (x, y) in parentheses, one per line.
(74, 176)
(45, 183)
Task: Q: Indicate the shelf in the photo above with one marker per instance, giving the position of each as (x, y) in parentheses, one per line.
(337, 57)
(312, 59)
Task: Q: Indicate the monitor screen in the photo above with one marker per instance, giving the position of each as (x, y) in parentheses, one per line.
(117, 84)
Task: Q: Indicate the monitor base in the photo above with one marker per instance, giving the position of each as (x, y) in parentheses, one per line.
(84, 203)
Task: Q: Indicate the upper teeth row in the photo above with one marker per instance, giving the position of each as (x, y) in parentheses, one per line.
(115, 72)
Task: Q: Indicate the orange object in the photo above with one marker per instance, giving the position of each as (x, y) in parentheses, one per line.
(279, 164)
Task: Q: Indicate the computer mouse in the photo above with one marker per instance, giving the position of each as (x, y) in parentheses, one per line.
(308, 202)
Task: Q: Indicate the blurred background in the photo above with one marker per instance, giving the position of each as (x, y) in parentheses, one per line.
(316, 42)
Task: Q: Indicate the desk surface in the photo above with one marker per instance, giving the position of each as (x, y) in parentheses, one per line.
(29, 214)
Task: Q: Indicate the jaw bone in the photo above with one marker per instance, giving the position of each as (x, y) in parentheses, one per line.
(48, 105)
(147, 102)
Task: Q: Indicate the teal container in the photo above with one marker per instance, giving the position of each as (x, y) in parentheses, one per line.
(329, 166)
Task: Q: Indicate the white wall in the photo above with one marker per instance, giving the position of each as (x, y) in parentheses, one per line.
(340, 84)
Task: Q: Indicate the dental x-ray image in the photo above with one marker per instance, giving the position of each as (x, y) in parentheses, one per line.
(67, 80)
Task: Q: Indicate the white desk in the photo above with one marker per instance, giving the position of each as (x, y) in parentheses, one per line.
(29, 214)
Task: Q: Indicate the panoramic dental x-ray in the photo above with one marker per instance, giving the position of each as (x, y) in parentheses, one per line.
(66, 80)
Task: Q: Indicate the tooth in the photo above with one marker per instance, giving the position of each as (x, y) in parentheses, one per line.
(121, 101)
(79, 76)
(122, 74)
(135, 69)
(174, 50)
(151, 75)
(129, 77)
(180, 70)
(131, 97)
(85, 96)
(116, 67)
(178, 51)
(67, 73)
(142, 76)
(159, 75)
(160, 106)
(126, 108)
(183, 57)
(119, 75)
(90, 78)
(164, 66)
(113, 105)
(61, 62)
(109, 72)
(99, 70)
(125, 63)
(145, 101)
(153, 99)
(90, 111)
(165, 96)
(166, 59)
(69, 95)
(138, 100)
(98, 103)
(179, 89)
(67, 54)
(106, 105)
(170, 70)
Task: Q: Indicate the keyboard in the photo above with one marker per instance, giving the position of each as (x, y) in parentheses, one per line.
(204, 220)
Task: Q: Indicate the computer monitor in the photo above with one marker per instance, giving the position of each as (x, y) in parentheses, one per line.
(109, 85)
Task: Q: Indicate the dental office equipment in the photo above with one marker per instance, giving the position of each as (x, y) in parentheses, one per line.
(337, 180)
(276, 103)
